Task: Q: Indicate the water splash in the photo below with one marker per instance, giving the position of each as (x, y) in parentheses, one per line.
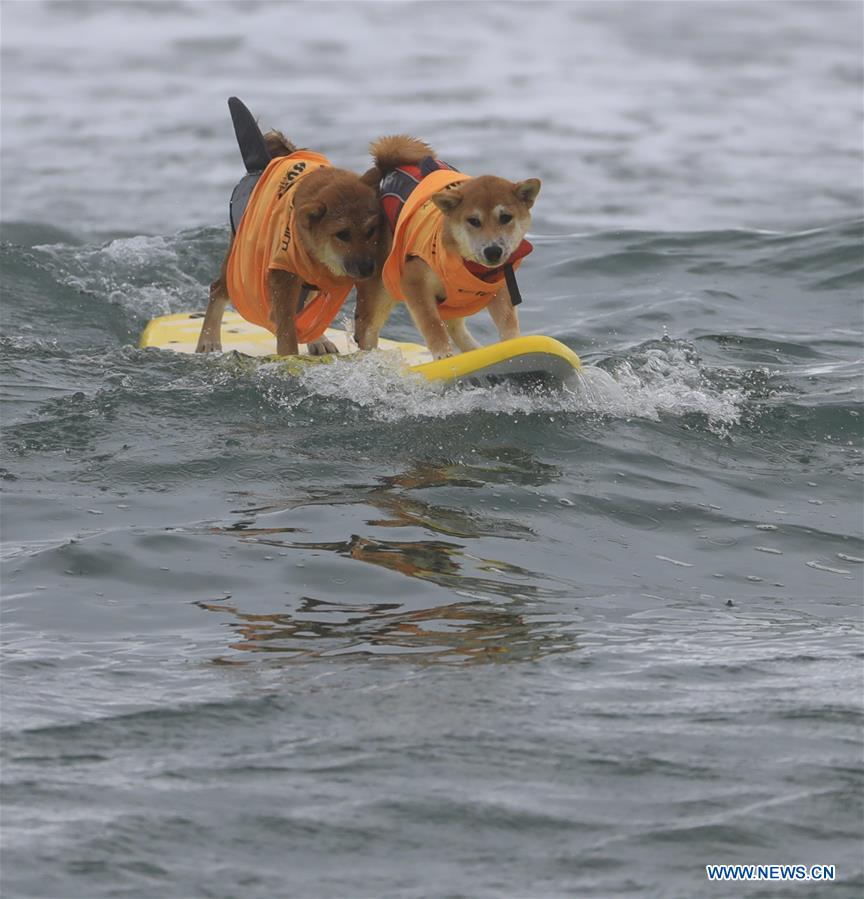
(667, 377)
(665, 380)
(145, 275)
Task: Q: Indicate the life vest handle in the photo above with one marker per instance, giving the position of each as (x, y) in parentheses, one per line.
(512, 286)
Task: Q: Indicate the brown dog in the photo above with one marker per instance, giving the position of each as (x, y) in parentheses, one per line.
(307, 234)
(451, 239)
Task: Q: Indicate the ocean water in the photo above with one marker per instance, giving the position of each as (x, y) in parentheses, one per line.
(345, 635)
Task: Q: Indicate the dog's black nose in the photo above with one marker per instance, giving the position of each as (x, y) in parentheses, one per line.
(366, 268)
(493, 253)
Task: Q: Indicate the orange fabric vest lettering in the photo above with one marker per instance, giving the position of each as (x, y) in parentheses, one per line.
(419, 232)
(267, 239)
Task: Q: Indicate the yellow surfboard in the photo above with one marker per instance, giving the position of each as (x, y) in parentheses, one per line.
(526, 360)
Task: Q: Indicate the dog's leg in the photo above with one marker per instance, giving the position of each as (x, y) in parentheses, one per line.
(284, 289)
(420, 287)
(374, 305)
(504, 315)
(460, 335)
(210, 339)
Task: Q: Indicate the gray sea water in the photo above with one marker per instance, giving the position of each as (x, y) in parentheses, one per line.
(346, 636)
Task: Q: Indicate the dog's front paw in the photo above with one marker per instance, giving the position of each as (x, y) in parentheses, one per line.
(208, 345)
(321, 347)
(442, 354)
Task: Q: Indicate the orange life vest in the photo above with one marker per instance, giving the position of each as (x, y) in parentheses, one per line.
(419, 232)
(267, 239)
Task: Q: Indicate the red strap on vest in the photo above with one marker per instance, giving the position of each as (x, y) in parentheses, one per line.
(392, 207)
(494, 274)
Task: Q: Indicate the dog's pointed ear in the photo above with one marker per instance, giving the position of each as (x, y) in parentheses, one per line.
(311, 213)
(447, 200)
(372, 177)
(527, 191)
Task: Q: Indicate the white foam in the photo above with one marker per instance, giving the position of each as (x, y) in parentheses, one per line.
(666, 383)
(141, 274)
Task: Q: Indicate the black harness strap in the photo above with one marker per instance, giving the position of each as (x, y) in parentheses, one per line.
(240, 198)
(512, 286)
(305, 290)
(429, 164)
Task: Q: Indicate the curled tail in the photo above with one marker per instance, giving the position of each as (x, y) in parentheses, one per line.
(396, 150)
(278, 145)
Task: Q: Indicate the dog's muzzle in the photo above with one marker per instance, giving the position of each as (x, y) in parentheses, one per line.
(365, 268)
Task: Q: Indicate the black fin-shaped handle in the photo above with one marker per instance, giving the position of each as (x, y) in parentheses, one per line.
(253, 148)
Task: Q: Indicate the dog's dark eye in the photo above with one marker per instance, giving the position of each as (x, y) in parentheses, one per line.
(505, 218)
(370, 232)
(474, 222)
(344, 235)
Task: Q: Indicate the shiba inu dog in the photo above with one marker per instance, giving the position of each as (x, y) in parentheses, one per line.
(451, 241)
(305, 232)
